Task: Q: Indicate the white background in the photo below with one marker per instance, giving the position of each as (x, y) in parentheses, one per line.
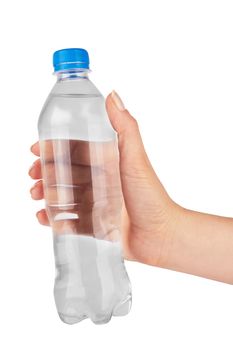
(172, 63)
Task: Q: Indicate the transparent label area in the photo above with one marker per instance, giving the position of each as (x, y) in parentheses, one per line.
(82, 187)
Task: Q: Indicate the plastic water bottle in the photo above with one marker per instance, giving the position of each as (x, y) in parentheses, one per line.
(82, 189)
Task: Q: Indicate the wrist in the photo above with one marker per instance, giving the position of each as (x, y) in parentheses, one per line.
(174, 225)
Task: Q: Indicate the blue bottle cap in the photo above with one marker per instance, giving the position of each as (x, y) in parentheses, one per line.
(67, 59)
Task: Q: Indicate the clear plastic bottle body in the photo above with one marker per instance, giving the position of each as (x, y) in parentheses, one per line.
(80, 169)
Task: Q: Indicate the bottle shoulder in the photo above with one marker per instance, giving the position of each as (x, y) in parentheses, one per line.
(67, 95)
(77, 87)
(76, 110)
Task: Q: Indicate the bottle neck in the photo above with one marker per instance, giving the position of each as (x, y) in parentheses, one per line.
(76, 74)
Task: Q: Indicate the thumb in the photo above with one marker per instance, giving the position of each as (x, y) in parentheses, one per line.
(133, 158)
(140, 184)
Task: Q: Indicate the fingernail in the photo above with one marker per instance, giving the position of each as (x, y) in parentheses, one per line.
(118, 101)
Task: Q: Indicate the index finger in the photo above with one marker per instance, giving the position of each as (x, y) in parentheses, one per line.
(35, 149)
(77, 152)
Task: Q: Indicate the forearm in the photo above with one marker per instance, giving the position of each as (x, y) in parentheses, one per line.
(202, 245)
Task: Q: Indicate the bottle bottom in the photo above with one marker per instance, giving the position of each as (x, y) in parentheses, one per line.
(120, 310)
(91, 280)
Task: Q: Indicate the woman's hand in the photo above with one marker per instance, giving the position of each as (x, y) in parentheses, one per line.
(149, 214)
(155, 230)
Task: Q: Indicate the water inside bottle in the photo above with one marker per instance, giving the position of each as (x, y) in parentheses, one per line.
(91, 280)
(83, 200)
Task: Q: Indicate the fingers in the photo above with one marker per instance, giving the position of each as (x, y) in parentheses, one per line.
(76, 152)
(78, 174)
(42, 217)
(35, 170)
(35, 149)
(36, 191)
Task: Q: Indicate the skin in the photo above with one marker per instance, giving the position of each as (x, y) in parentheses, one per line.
(156, 230)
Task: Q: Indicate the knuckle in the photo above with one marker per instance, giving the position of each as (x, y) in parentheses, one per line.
(133, 121)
